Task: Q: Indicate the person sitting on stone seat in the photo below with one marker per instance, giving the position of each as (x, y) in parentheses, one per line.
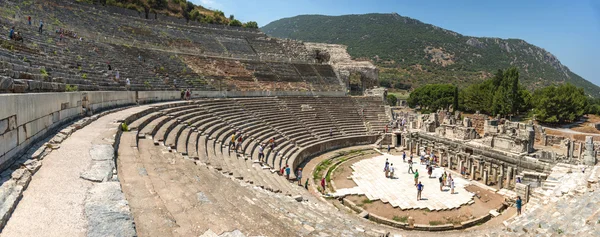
(17, 36)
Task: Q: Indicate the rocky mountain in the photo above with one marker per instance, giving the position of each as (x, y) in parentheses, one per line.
(412, 53)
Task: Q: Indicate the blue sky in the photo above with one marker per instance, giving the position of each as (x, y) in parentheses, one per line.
(568, 29)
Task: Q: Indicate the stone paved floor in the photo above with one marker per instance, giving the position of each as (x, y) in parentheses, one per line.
(53, 204)
(400, 192)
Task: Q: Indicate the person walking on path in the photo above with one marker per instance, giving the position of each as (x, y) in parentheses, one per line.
(451, 186)
(445, 177)
(299, 176)
(29, 20)
(11, 33)
(449, 179)
(519, 204)
(430, 171)
(306, 184)
(232, 142)
(391, 171)
(410, 169)
(386, 167)
(419, 190)
(323, 185)
(441, 183)
(416, 176)
(287, 172)
(261, 153)
(41, 26)
(403, 156)
(239, 142)
(389, 148)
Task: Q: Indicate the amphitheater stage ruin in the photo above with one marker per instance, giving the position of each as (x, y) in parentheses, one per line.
(96, 139)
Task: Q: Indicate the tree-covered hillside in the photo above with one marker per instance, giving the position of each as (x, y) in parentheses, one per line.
(411, 53)
(178, 8)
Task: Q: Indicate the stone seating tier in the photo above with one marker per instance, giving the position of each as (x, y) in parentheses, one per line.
(202, 129)
(147, 52)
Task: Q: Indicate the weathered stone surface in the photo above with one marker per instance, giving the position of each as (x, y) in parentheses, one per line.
(10, 193)
(3, 125)
(40, 153)
(99, 171)
(8, 141)
(33, 165)
(6, 84)
(107, 211)
(58, 138)
(298, 198)
(102, 152)
(203, 198)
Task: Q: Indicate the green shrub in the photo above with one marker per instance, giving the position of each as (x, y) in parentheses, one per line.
(402, 219)
(71, 88)
(84, 76)
(124, 127)
(435, 223)
(43, 72)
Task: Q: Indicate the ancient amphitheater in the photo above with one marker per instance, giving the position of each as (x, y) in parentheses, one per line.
(96, 140)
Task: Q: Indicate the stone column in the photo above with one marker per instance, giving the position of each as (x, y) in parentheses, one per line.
(571, 148)
(481, 164)
(589, 158)
(472, 170)
(580, 151)
(485, 177)
(501, 176)
(449, 162)
(509, 172)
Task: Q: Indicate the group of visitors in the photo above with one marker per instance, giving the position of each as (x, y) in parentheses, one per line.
(15, 35)
(236, 141)
(186, 94)
(445, 178)
(388, 169)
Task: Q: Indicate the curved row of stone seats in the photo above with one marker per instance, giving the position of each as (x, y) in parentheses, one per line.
(103, 21)
(147, 53)
(202, 130)
(234, 165)
(250, 210)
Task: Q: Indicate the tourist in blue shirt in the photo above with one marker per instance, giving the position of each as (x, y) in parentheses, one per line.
(287, 172)
(11, 33)
(519, 205)
(419, 190)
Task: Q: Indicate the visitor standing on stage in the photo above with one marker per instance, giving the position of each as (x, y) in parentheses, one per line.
(416, 176)
(299, 176)
(519, 204)
(410, 163)
(419, 190)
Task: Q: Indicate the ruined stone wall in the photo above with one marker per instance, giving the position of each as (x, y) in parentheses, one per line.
(344, 65)
(478, 122)
(552, 140)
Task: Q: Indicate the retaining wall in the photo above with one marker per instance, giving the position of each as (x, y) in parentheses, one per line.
(27, 118)
(328, 145)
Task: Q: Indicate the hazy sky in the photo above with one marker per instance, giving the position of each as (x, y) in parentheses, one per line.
(569, 29)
